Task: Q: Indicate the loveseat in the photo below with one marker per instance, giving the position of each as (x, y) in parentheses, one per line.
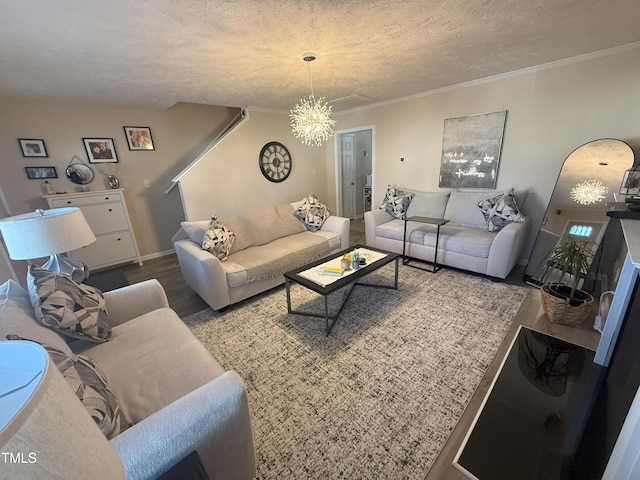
(268, 243)
(172, 396)
(490, 245)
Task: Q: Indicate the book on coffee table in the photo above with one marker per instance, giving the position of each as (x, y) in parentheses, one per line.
(332, 271)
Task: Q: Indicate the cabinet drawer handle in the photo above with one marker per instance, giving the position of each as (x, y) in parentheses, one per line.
(106, 198)
(118, 239)
(69, 202)
(111, 210)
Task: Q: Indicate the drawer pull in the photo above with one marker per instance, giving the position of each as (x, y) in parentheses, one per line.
(106, 198)
(69, 202)
(118, 239)
(111, 210)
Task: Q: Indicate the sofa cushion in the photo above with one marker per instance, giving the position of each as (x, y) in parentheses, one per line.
(428, 204)
(72, 309)
(473, 242)
(90, 385)
(196, 230)
(17, 318)
(163, 362)
(500, 210)
(275, 258)
(263, 226)
(312, 213)
(218, 239)
(396, 202)
(462, 209)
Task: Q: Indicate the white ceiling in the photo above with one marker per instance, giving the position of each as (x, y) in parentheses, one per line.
(152, 54)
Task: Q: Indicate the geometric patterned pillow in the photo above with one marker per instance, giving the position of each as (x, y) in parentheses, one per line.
(90, 385)
(218, 239)
(500, 211)
(70, 308)
(396, 202)
(312, 213)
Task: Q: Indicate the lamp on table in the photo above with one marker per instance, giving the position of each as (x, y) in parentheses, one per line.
(49, 232)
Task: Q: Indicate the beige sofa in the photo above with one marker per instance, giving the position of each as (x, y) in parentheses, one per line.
(166, 383)
(268, 243)
(464, 242)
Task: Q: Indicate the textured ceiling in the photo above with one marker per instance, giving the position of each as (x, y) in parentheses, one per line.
(152, 54)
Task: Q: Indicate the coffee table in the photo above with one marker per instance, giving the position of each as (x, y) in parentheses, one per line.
(309, 276)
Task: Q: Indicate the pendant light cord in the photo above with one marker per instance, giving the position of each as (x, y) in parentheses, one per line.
(313, 95)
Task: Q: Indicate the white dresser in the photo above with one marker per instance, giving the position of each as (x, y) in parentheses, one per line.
(107, 214)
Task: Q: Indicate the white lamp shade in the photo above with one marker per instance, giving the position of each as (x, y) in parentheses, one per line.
(52, 435)
(45, 232)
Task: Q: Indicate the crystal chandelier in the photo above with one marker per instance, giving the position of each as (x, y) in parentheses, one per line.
(311, 119)
(588, 192)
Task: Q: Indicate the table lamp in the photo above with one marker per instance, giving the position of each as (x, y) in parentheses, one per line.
(45, 431)
(49, 232)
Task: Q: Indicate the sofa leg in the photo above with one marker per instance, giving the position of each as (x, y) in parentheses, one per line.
(495, 279)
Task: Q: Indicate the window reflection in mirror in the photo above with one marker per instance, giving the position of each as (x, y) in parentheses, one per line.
(605, 160)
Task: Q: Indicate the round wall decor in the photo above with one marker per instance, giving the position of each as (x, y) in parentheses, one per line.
(275, 162)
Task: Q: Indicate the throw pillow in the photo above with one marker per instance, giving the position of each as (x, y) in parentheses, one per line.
(218, 239)
(195, 230)
(312, 213)
(89, 383)
(500, 211)
(72, 309)
(396, 202)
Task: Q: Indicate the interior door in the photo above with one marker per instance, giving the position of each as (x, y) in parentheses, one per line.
(348, 176)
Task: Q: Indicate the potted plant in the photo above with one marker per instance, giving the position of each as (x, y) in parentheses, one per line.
(355, 259)
(566, 265)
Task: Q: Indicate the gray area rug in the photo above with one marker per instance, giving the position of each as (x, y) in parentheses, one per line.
(379, 397)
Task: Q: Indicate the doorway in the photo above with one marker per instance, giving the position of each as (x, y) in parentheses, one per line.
(354, 160)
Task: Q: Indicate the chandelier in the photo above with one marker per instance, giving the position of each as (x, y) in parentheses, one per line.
(588, 192)
(311, 119)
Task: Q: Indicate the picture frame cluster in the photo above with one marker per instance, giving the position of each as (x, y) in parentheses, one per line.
(98, 150)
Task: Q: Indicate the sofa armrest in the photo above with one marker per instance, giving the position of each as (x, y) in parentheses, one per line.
(340, 225)
(507, 248)
(204, 273)
(213, 420)
(126, 303)
(372, 219)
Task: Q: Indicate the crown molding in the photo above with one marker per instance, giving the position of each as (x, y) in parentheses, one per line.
(516, 73)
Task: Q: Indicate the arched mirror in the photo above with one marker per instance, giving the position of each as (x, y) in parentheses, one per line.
(79, 172)
(590, 176)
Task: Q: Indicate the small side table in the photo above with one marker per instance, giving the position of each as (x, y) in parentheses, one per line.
(438, 222)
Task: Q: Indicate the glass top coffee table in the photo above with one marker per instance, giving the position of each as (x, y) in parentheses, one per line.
(310, 276)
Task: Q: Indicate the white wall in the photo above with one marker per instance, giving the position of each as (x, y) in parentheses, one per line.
(551, 111)
(228, 181)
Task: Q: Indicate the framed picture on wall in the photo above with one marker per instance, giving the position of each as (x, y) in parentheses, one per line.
(471, 150)
(631, 182)
(35, 173)
(32, 147)
(100, 150)
(139, 138)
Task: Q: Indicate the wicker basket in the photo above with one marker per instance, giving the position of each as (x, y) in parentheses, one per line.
(558, 310)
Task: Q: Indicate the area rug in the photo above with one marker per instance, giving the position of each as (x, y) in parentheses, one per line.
(380, 395)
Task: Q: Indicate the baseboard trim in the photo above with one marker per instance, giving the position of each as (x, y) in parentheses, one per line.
(164, 253)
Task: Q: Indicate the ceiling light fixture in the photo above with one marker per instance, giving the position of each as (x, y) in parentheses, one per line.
(589, 191)
(311, 119)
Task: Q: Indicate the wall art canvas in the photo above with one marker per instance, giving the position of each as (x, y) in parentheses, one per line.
(471, 150)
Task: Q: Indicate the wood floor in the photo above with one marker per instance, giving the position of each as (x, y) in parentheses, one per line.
(185, 302)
